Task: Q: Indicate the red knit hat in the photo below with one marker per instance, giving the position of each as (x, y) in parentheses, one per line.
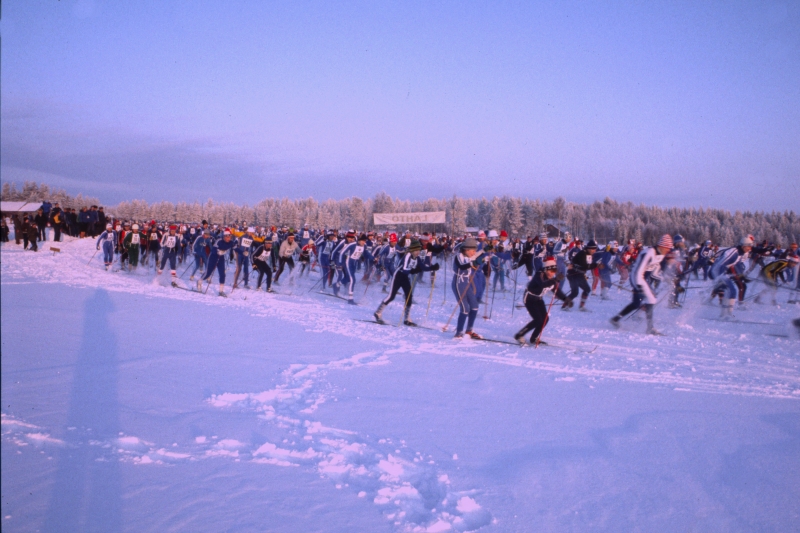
(666, 241)
(503, 233)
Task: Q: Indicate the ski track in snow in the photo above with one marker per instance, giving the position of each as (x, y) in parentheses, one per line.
(701, 356)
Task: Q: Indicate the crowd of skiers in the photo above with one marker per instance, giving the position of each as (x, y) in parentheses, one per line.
(563, 268)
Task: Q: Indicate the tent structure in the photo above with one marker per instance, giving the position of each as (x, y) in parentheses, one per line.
(19, 208)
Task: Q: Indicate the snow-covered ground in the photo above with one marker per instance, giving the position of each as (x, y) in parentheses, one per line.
(128, 405)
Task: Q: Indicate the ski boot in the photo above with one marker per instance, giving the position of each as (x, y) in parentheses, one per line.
(379, 314)
(615, 321)
(473, 335)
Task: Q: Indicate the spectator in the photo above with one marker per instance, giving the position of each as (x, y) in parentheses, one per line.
(33, 234)
(56, 221)
(84, 221)
(102, 220)
(3, 230)
(18, 229)
(41, 223)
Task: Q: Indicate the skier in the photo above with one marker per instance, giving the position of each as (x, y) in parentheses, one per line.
(309, 250)
(132, 245)
(467, 263)
(201, 248)
(107, 240)
(582, 261)
(170, 244)
(647, 262)
(606, 265)
(388, 258)
(264, 260)
(216, 260)
(349, 257)
(728, 273)
(410, 265)
(325, 252)
(544, 281)
(244, 244)
(772, 272)
(286, 255)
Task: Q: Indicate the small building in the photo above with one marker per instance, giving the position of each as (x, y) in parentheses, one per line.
(19, 208)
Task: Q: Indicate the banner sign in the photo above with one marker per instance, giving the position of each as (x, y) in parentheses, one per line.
(425, 217)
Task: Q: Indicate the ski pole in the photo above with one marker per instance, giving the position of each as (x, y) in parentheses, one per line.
(547, 316)
(408, 299)
(444, 285)
(94, 254)
(514, 299)
(472, 279)
(433, 282)
(494, 291)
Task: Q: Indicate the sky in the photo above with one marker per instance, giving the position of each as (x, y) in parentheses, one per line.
(668, 103)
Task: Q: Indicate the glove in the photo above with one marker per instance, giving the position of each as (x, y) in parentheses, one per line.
(560, 276)
(435, 267)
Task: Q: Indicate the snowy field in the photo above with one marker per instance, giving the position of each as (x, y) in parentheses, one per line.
(128, 405)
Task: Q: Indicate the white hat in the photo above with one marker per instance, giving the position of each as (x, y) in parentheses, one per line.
(492, 233)
(109, 226)
(226, 232)
(746, 241)
(135, 226)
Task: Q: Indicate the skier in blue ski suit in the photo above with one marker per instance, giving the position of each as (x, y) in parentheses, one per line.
(467, 264)
(216, 260)
(107, 240)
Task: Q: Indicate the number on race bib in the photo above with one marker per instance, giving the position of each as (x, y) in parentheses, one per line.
(357, 251)
(246, 242)
(305, 235)
(135, 238)
(191, 231)
(170, 241)
(154, 236)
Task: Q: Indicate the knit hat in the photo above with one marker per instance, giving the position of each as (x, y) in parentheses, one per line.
(468, 243)
(173, 227)
(108, 226)
(503, 234)
(226, 232)
(549, 262)
(351, 234)
(665, 241)
(746, 241)
(135, 226)
(592, 244)
(393, 237)
(415, 245)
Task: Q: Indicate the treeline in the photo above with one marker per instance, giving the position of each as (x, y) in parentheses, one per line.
(603, 221)
(34, 192)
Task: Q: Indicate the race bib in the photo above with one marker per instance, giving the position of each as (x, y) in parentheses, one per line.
(412, 264)
(170, 241)
(246, 242)
(357, 251)
(154, 236)
(191, 231)
(305, 235)
(135, 238)
(391, 253)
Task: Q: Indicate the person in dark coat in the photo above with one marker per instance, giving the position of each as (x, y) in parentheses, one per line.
(3, 230)
(33, 233)
(17, 228)
(41, 223)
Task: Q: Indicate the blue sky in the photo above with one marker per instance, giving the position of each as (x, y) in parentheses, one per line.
(671, 103)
